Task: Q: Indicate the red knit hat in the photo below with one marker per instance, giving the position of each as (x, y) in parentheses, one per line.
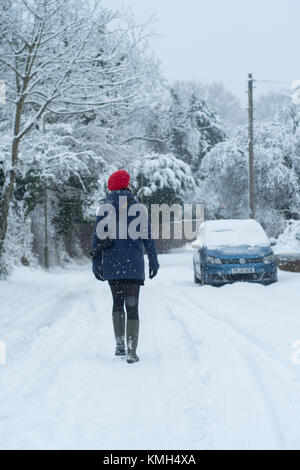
(118, 180)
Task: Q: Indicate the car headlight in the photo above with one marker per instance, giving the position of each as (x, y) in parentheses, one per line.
(269, 259)
(212, 260)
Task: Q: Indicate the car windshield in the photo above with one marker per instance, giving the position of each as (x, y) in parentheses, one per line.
(235, 233)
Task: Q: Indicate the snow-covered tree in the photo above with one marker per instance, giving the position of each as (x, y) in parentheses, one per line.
(162, 178)
(59, 172)
(183, 124)
(223, 101)
(268, 106)
(65, 58)
(194, 126)
(225, 177)
(278, 107)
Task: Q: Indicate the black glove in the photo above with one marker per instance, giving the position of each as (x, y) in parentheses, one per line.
(99, 277)
(152, 273)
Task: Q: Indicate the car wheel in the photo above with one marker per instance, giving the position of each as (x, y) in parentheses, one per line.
(196, 280)
(268, 283)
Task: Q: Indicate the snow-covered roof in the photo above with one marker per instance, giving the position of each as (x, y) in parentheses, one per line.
(232, 232)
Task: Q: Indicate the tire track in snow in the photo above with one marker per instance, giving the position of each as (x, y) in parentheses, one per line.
(144, 406)
(68, 391)
(248, 337)
(254, 397)
(185, 377)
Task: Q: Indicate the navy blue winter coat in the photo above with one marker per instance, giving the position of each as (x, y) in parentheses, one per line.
(125, 258)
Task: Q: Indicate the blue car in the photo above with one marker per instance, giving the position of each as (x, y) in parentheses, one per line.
(227, 251)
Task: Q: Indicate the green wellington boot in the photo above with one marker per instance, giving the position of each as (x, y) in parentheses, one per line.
(132, 340)
(119, 329)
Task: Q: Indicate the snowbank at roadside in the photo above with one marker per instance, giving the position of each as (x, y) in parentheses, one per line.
(289, 240)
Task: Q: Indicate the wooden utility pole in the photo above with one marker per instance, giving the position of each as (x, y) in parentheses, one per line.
(46, 252)
(142, 187)
(251, 148)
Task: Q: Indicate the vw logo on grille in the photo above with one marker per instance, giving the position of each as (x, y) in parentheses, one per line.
(242, 261)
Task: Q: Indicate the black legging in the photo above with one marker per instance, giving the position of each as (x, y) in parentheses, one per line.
(125, 291)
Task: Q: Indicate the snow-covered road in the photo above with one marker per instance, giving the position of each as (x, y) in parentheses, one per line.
(215, 369)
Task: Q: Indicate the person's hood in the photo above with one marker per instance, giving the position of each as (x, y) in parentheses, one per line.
(113, 198)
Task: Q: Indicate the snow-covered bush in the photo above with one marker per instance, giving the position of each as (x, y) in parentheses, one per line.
(289, 241)
(18, 247)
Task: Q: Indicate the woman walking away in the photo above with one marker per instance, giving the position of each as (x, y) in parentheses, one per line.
(119, 258)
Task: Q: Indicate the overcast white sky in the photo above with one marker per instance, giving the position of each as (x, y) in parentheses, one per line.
(223, 40)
